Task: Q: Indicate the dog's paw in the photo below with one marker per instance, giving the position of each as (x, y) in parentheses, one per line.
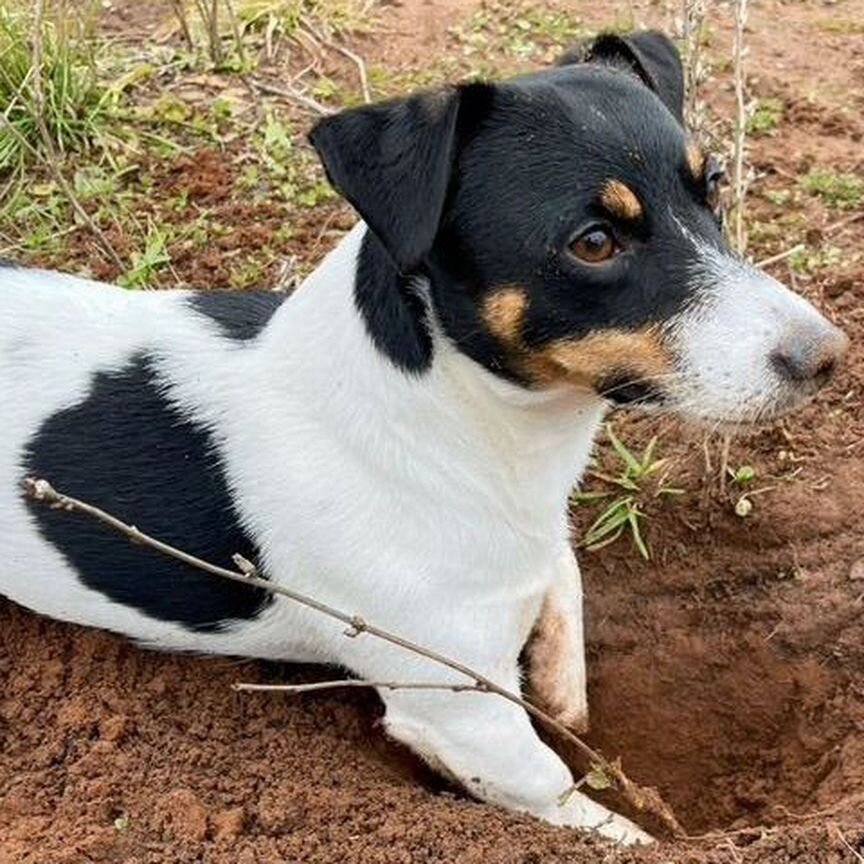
(624, 832)
(579, 811)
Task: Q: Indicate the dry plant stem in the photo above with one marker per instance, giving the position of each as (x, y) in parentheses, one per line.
(843, 223)
(852, 850)
(726, 446)
(179, 8)
(213, 25)
(693, 21)
(781, 256)
(740, 8)
(644, 799)
(345, 52)
(52, 161)
(235, 29)
(295, 689)
(292, 95)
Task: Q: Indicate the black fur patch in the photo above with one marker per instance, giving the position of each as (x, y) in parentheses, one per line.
(240, 315)
(128, 449)
(620, 390)
(394, 314)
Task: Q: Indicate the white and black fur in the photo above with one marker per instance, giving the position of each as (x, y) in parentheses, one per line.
(399, 437)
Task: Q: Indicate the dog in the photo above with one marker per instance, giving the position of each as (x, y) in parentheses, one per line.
(398, 438)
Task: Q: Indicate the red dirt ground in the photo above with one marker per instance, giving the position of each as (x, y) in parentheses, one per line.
(728, 672)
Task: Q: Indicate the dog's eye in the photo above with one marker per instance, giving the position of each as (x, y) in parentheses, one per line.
(595, 245)
(715, 177)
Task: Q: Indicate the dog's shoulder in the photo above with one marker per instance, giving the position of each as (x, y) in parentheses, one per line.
(239, 315)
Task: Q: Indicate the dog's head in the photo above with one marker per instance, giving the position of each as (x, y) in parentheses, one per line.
(571, 234)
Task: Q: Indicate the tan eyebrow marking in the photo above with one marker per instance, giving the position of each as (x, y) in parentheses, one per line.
(503, 311)
(621, 201)
(696, 160)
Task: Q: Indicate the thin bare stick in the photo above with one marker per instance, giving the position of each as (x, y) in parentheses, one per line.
(695, 70)
(360, 63)
(293, 95)
(179, 8)
(237, 32)
(739, 180)
(52, 162)
(356, 59)
(642, 798)
(213, 29)
(294, 689)
(843, 223)
(781, 256)
(852, 850)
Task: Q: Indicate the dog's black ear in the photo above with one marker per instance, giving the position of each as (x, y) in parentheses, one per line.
(393, 162)
(648, 53)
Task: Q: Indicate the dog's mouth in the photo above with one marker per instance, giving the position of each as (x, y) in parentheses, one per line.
(627, 391)
(645, 394)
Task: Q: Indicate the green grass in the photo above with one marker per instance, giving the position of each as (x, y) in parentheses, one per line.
(148, 261)
(521, 31)
(808, 260)
(765, 117)
(75, 104)
(841, 26)
(641, 479)
(837, 190)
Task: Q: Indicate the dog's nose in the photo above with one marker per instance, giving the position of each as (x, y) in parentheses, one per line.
(810, 357)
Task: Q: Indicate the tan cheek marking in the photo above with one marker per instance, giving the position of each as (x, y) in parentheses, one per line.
(503, 312)
(589, 360)
(696, 160)
(621, 201)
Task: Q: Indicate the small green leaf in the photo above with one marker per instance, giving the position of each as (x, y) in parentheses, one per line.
(627, 457)
(633, 519)
(647, 465)
(745, 474)
(598, 779)
(583, 497)
(612, 517)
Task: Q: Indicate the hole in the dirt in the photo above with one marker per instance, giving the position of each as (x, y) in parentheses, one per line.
(733, 708)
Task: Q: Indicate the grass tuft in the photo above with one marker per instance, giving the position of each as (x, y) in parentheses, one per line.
(75, 103)
(838, 191)
(641, 479)
(765, 117)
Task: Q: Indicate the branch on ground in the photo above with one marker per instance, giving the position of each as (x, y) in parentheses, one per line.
(645, 799)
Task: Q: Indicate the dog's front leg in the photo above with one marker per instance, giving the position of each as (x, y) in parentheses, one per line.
(556, 652)
(490, 747)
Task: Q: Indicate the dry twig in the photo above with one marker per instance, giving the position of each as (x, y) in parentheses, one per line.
(695, 70)
(179, 9)
(356, 59)
(237, 32)
(343, 683)
(781, 256)
(292, 95)
(856, 854)
(52, 161)
(739, 179)
(642, 798)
